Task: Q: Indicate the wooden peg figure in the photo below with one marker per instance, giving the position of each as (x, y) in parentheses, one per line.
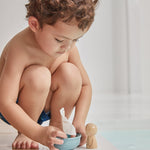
(91, 130)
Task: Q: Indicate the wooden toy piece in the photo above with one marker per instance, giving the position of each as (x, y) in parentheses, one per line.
(91, 130)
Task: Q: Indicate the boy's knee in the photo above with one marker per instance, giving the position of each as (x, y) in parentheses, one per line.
(37, 78)
(70, 76)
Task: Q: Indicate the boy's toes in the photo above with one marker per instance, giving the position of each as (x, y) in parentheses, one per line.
(28, 145)
(23, 142)
(18, 145)
(23, 145)
(14, 145)
(34, 145)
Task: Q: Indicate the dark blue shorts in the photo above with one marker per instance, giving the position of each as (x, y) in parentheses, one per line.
(43, 117)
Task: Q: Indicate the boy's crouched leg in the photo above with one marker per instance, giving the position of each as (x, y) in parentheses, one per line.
(34, 88)
(66, 87)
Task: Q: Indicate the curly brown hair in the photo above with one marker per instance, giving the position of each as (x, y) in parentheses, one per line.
(50, 11)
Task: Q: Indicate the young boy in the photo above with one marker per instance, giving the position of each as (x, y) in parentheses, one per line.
(41, 72)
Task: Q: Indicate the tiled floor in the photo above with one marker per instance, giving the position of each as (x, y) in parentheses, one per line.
(122, 121)
(8, 134)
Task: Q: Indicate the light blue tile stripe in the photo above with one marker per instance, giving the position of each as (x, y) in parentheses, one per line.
(129, 139)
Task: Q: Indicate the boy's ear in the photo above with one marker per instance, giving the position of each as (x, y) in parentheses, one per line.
(33, 24)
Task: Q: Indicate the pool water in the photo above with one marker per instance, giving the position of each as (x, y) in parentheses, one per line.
(128, 139)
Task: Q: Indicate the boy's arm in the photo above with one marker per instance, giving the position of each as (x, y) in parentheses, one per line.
(83, 103)
(9, 89)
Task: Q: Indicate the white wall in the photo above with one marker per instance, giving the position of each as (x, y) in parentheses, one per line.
(145, 44)
(96, 49)
(119, 47)
(131, 46)
(12, 14)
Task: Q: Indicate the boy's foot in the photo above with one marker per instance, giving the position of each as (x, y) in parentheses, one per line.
(23, 142)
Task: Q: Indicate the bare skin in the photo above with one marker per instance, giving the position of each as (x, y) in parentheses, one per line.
(35, 52)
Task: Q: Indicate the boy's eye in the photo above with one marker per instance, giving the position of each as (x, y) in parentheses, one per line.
(76, 40)
(59, 41)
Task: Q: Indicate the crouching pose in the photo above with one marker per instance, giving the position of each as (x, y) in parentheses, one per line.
(41, 72)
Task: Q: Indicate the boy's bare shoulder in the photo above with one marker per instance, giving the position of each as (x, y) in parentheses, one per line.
(16, 52)
(17, 48)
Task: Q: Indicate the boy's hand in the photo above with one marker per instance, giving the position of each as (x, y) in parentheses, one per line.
(80, 128)
(49, 137)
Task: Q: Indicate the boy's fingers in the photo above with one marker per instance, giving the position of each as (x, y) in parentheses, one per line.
(52, 147)
(72, 136)
(56, 141)
(61, 134)
(83, 140)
